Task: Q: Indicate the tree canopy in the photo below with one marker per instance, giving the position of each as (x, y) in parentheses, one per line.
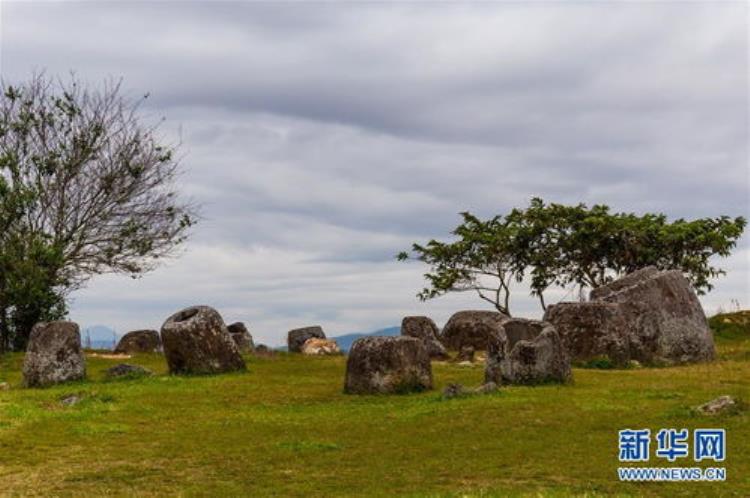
(86, 187)
(561, 245)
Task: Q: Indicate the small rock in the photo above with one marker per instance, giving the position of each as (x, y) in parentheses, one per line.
(315, 346)
(635, 364)
(127, 370)
(718, 405)
(465, 364)
(70, 399)
(454, 390)
(486, 388)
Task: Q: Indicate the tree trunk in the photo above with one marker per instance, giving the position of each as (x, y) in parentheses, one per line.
(541, 300)
(4, 333)
(502, 309)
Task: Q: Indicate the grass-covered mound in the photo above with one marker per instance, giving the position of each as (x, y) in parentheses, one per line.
(285, 428)
(731, 325)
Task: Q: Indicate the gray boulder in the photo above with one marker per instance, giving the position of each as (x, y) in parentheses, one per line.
(632, 278)
(241, 337)
(387, 365)
(125, 370)
(297, 337)
(436, 350)
(458, 390)
(139, 341)
(721, 404)
(71, 399)
(649, 317)
(471, 328)
(423, 328)
(526, 352)
(454, 390)
(591, 330)
(53, 355)
(664, 316)
(196, 341)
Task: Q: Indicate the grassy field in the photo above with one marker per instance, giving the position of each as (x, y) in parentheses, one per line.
(285, 428)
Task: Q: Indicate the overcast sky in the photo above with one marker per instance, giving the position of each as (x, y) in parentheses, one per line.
(322, 139)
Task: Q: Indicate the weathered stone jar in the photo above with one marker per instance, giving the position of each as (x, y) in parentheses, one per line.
(471, 328)
(424, 328)
(139, 341)
(53, 355)
(421, 327)
(242, 337)
(295, 338)
(387, 365)
(591, 331)
(526, 352)
(196, 341)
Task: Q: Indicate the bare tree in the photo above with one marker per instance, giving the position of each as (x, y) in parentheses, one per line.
(97, 183)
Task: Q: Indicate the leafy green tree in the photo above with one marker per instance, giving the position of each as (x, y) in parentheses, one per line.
(560, 245)
(590, 247)
(482, 260)
(85, 188)
(29, 288)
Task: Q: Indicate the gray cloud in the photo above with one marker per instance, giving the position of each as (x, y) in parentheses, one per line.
(324, 138)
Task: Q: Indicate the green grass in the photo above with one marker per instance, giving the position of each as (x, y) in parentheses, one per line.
(284, 428)
(731, 325)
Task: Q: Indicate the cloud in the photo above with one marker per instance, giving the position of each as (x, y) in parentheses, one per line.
(322, 139)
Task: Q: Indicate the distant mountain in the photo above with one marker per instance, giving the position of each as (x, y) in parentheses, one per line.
(99, 337)
(103, 337)
(109, 345)
(345, 341)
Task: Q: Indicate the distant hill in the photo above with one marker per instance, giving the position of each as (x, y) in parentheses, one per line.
(103, 337)
(99, 337)
(345, 341)
(108, 345)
